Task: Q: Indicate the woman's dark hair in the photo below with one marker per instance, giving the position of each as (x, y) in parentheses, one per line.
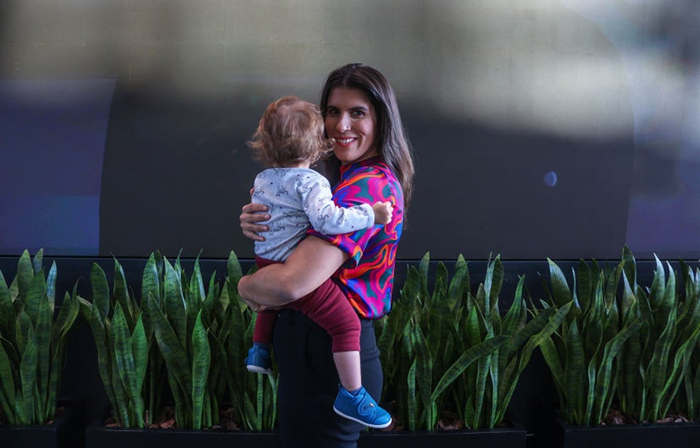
(392, 142)
(290, 131)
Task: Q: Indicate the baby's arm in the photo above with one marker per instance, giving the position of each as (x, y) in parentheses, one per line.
(329, 219)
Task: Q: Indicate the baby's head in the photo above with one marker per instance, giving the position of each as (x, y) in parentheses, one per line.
(290, 132)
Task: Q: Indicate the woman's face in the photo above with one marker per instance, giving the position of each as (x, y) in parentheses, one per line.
(352, 121)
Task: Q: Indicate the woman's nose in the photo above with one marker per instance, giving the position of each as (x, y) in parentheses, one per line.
(343, 123)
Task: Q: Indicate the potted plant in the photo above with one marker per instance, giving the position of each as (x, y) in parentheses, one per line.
(618, 355)
(449, 354)
(32, 356)
(196, 332)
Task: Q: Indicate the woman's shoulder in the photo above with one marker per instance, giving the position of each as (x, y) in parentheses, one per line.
(376, 171)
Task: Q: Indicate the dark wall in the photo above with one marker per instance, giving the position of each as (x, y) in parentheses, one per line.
(547, 129)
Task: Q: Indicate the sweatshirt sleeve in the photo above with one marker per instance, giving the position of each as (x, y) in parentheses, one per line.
(326, 217)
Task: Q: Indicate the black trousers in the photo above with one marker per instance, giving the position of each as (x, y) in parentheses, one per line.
(308, 383)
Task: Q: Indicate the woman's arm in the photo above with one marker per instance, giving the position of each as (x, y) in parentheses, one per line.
(312, 263)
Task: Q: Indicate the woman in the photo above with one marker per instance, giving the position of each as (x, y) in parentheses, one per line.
(361, 114)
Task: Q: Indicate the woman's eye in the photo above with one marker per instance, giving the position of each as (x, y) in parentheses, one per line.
(357, 114)
(331, 111)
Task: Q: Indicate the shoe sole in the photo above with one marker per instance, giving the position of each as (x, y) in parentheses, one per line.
(256, 369)
(371, 425)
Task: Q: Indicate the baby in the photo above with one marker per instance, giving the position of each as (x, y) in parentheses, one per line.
(289, 139)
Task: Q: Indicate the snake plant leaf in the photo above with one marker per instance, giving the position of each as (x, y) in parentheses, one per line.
(560, 288)
(7, 385)
(38, 261)
(534, 326)
(482, 371)
(194, 296)
(28, 368)
(150, 283)
(459, 282)
(235, 347)
(173, 351)
(411, 401)
(611, 285)
(36, 294)
(25, 274)
(630, 265)
(42, 338)
(121, 294)
(201, 363)
(585, 286)
(251, 415)
(656, 292)
(475, 353)
(174, 305)
(233, 269)
(424, 367)
(516, 314)
(659, 363)
(670, 298)
(552, 359)
(102, 344)
(574, 370)
(124, 357)
(678, 367)
(122, 402)
(23, 328)
(439, 330)
(139, 351)
(472, 327)
(611, 351)
(440, 285)
(493, 282)
(51, 285)
(259, 399)
(695, 393)
(100, 291)
(7, 312)
(423, 268)
(67, 314)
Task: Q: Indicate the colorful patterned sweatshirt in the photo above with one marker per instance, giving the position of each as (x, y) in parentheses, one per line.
(367, 277)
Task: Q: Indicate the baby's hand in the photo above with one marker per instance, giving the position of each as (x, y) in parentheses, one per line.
(382, 212)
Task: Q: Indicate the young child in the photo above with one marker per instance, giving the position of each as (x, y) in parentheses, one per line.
(289, 139)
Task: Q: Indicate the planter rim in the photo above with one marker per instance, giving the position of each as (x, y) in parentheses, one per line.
(59, 421)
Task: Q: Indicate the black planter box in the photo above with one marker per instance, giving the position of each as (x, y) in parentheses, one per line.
(511, 437)
(66, 431)
(99, 436)
(558, 434)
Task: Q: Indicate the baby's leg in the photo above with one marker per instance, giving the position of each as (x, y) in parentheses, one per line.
(348, 365)
(265, 326)
(331, 310)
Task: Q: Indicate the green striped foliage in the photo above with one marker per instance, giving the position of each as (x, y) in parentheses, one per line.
(659, 363)
(32, 341)
(583, 354)
(450, 348)
(253, 396)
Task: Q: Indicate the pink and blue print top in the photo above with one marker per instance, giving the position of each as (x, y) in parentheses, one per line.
(367, 277)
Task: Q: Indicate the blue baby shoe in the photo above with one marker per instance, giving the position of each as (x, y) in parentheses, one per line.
(258, 359)
(361, 408)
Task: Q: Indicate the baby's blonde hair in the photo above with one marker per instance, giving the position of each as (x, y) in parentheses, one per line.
(290, 131)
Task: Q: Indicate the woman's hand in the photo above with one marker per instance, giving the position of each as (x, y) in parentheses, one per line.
(256, 307)
(251, 215)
